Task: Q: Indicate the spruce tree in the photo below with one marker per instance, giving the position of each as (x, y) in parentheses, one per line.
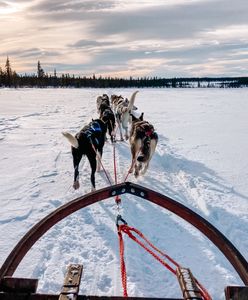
(8, 72)
(40, 74)
(40, 71)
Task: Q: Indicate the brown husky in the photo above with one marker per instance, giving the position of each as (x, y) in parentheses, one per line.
(143, 140)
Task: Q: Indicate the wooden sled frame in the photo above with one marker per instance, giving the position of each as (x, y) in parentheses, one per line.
(225, 246)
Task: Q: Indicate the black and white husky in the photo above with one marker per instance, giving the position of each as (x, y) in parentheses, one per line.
(88, 141)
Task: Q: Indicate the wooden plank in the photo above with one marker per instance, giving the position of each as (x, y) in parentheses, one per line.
(188, 285)
(22, 296)
(22, 285)
(72, 280)
(236, 292)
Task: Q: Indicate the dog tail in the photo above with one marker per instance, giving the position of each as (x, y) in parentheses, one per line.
(131, 102)
(72, 140)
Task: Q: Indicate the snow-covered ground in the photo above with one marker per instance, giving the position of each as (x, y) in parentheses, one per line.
(200, 161)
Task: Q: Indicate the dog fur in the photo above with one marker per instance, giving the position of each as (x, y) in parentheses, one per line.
(123, 109)
(101, 100)
(88, 141)
(143, 141)
(106, 114)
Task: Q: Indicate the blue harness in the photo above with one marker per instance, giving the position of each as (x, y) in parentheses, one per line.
(94, 128)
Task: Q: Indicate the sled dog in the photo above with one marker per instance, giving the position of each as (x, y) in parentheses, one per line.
(123, 109)
(101, 100)
(143, 141)
(88, 141)
(107, 115)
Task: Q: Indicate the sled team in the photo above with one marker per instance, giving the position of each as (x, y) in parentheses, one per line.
(114, 113)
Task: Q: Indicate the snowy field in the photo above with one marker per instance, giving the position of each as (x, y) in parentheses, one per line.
(201, 161)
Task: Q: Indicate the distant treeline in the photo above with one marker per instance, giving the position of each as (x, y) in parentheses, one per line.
(9, 78)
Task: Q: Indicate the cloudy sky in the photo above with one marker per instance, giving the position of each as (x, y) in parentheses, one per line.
(163, 38)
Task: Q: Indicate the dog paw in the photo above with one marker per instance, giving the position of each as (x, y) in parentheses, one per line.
(143, 172)
(93, 189)
(76, 185)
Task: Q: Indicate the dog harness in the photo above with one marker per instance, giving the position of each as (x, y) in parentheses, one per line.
(94, 128)
(148, 128)
(149, 132)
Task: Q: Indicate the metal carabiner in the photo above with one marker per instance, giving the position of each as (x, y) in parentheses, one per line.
(120, 219)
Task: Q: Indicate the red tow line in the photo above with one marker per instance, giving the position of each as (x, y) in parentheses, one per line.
(124, 228)
(117, 198)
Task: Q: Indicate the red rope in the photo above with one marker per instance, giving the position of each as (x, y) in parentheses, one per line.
(203, 291)
(100, 160)
(128, 172)
(123, 266)
(126, 176)
(115, 172)
(117, 198)
(128, 230)
(155, 248)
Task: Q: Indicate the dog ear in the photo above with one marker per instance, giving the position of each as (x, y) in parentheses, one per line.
(141, 117)
(133, 118)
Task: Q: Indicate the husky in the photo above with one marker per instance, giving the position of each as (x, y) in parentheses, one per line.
(104, 99)
(107, 115)
(143, 141)
(88, 141)
(123, 109)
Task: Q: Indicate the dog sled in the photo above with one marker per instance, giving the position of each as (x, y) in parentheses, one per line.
(12, 288)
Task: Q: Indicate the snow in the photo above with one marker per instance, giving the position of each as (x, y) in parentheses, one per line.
(200, 161)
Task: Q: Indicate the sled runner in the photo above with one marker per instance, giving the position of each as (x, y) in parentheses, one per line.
(20, 288)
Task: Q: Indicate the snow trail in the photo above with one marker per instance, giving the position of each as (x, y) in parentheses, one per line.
(193, 170)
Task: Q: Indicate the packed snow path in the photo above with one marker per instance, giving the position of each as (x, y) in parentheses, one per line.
(200, 161)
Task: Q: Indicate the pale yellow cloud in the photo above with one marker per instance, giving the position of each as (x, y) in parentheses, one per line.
(101, 37)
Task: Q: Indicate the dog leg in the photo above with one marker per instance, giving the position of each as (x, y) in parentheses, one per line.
(135, 149)
(125, 120)
(76, 160)
(126, 133)
(122, 139)
(152, 150)
(76, 185)
(133, 158)
(138, 167)
(92, 160)
(113, 140)
(119, 125)
(146, 165)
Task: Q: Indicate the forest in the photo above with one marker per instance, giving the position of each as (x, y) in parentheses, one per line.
(41, 79)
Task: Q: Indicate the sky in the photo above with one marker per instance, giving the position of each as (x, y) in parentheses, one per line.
(122, 38)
